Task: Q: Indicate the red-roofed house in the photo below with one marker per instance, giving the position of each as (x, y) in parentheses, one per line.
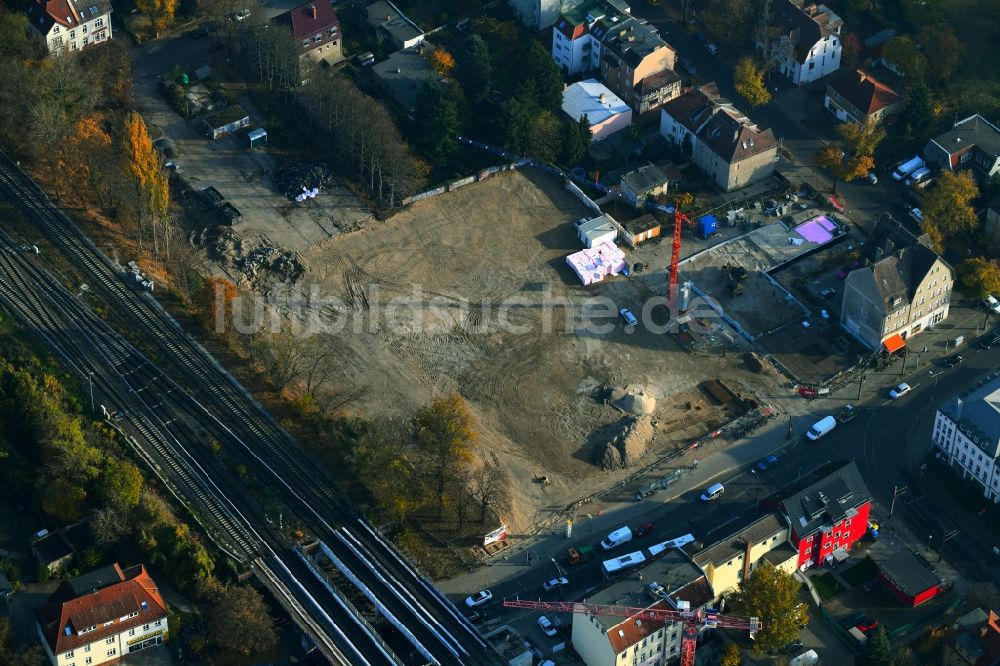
(100, 617)
(69, 25)
(857, 96)
(316, 29)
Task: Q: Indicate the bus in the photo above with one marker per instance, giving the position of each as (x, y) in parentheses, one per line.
(623, 563)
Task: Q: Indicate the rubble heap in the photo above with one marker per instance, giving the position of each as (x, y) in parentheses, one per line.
(293, 180)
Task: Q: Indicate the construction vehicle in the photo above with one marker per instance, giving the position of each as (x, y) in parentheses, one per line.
(693, 621)
(579, 555)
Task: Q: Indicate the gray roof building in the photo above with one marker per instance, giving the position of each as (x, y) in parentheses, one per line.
(973, 142)
(729, 542)
(387, 20)
(978, 416)
(833, 492)
(631, 39)
(403, 74)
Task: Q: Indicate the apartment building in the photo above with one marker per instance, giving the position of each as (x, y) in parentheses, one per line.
(316, 30)
(632, 53)
(575, 47)
(807, 42)
(66, 26)
(858, 97)
(966, 436)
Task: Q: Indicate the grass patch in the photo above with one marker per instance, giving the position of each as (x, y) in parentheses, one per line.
(827, 586)
(861, 573)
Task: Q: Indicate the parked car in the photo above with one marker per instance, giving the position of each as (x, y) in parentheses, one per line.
(899, 391)
(686, 65)
(847, 414)
(917, 214)
(792, 647)
(992, 304)
(713, 492)
(852, 619)
(866, 624)
(767, 463)
(645, 529)
(827, 293)
(991, 341)
(711, 48)
(954, 361)
(479, 598)
(629, 318)
(545, 624)
(555, 583)
(872, 178)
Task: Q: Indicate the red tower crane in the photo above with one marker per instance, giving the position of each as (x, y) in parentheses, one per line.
(692, 620)
(680, 219)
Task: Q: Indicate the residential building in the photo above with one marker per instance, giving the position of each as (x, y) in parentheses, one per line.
(909, 579)
(101, 617)
(316, 30)
(65, 26)
(54, 550)
(575, 47)
(972, 142)
(977, 644)
(807, 45)
(826, 513)
(903, 288)
(718, 138)
(646, 181)
(393, 26)
(605, 112)
(967, 437)
(541, 14)
(631, 52)
(858, 97)
(403, 74)
(602, 640)
(731, 553)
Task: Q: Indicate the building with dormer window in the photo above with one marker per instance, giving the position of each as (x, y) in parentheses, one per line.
(65, 26)
(967, 436)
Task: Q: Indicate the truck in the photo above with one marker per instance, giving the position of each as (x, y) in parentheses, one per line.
(908, 167)
(579, 555)
(622, 564)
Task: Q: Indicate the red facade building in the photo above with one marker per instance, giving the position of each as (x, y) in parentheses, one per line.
(827, 513)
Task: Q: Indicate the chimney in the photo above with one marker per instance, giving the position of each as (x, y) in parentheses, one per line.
(312, 11)
(746, 558)
(600, 98)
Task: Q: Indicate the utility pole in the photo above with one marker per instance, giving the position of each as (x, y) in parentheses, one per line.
(905, 355)
(944, 540)
(896, 492)
(91, 378)
(789, 434)
(861, 382)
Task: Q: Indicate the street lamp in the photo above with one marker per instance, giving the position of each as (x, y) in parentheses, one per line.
(558, 568)
(91, 378)
(861, 382)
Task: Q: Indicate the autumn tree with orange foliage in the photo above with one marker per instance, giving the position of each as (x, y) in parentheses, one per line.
(442, 61)
(842, 167)
(84, 155)
(159, 12)
(444, 438)
(141, 164)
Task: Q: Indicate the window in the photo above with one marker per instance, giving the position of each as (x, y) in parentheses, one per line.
(69, 655)
(131, 632)
(110, 640)
(89, 660)
(158, 622)
(85, 29)
(86, 649)
(145, 627)
(99, 23)
(112, 652)
(305, 42)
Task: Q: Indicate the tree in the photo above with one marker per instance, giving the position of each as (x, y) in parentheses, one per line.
(842, 167)
(749, 82)
(948, 206)
(142, 166)
(444, 435)
(121, 484)
(377, 456)
(980, 276)
(490, 487)
(850, 53)
(576, 139)
(947, 52)
(903, 52)
(918, 110)
(442, 61)
(544, 136)
(159, 12)
(109, 524)
(241, 622)
(861, 138)
(731, 21)
(732, 655)
(878, 650)
(436, 123)
(63, 500)
(541, 76)
(772, 595)
(475, 71)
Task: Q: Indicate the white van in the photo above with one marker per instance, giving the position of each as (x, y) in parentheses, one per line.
(918, 176)
(821, 427)
(617, 538)
(713, 492)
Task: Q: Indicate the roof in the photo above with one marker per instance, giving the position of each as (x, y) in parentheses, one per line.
(404, 73)
(593, 98)
(304, 24)
(640, 224)
(908, 574)
(95, 580)
(978, 416)
(804, 25)
(863, 90)
(980, 642)
(386, 16)
(65, 615)
(43, 14)
(831, 493)
(644, 178)
(662, 79)
(632, 39)
(974, 130)
(725, 130)
(780, 554)
(226, 116)
(679, 577)
(575, 22)
(898, 261)
(724, 544)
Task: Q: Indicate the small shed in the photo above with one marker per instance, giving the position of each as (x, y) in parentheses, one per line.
(640, 229)
(226, 121)
(257, 138)
(910, 580)
(645, 181)
(596, 232)
(707, 225)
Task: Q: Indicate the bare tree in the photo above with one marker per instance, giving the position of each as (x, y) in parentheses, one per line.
(109, 524)
(491, 488)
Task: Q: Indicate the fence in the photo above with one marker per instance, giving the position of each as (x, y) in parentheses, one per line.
(587, 201)
(461, 182)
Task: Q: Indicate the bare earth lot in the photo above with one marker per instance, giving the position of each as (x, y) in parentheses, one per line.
(455, 294)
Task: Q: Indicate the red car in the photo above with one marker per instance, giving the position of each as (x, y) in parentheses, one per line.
(645, 528)
(867, 625)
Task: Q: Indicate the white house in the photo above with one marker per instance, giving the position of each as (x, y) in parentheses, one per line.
(807, 46)
(540, 14)
(65, 26)
(576, 48)
(101, 617)
(967, 435)
(605, 111)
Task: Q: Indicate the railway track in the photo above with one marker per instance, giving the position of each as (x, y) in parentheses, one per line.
(225, 410)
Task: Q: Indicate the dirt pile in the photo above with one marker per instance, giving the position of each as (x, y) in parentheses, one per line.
(637, 400)
(625, 442)
(259, 264)
(303, 177)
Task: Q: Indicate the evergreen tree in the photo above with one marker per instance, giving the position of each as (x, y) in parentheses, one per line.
(475, 71)
(918, 109)
(878, 650)
(541, 78)
(576, 140)
(437, 123)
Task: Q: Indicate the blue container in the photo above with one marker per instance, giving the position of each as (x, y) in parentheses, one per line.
(707, 225)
